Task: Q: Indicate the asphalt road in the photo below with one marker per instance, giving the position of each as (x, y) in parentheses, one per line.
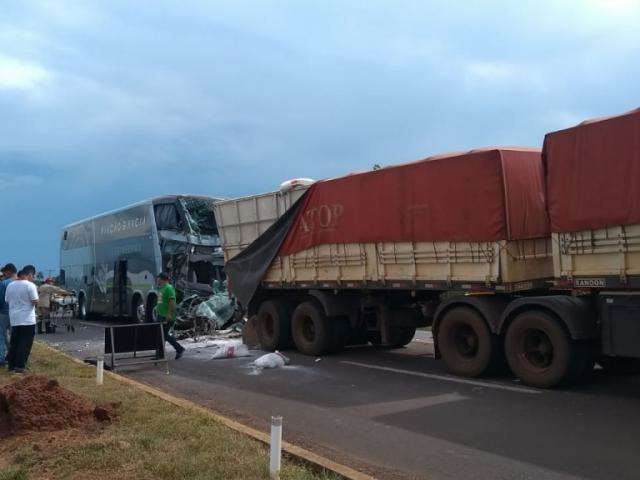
(399, 414)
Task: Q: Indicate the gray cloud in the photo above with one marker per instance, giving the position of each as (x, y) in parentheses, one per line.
(110, 102)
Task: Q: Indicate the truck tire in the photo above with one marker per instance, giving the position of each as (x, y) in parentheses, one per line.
(465, 342)
(340, 333)
(541, 354)
(401, 336)
(312, 333)
(274, 325)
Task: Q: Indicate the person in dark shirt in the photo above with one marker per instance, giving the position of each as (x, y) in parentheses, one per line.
(9, 274)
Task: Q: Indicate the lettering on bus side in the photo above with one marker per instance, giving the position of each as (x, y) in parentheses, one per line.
(123, 225)
(323, 217)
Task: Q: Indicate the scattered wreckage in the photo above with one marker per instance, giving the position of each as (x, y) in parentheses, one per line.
(200, 314)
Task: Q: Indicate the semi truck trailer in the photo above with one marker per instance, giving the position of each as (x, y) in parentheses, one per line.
(512, 255)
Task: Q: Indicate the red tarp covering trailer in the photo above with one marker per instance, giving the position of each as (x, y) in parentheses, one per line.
(593, 174)
(481, 195)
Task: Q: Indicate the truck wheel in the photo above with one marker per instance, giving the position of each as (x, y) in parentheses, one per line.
(274, 325)
(311, 330)
(374, 338)
(540, 353)
(340, 332)
(401, 336)
(465, 342)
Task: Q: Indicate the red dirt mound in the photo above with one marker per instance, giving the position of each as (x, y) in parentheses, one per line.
(38, 403)
(107, 412)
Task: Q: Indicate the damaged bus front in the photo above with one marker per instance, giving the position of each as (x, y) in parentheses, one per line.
(111, 260)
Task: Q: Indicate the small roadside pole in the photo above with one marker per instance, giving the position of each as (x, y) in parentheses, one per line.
(276, 448)
(100, 370)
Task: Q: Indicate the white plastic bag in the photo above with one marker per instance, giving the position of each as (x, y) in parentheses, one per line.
(271, 360)
(231, 351)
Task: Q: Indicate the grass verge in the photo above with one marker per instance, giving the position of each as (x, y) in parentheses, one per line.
(151, 439)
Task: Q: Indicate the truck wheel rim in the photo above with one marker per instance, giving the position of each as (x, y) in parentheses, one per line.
(537, 349)
(466, 340)
(308, 329)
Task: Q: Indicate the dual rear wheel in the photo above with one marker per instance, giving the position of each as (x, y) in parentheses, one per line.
(537, 348)
(541, 353)
(309, 329)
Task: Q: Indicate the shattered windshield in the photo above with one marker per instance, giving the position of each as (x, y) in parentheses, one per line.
(199, 212)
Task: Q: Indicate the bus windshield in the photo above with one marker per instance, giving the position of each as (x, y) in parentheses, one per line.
(199, 212)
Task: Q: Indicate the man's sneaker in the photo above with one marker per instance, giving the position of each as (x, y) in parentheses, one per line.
(179, 354)
(17, 371)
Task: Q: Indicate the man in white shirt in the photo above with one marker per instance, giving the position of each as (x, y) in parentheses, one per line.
(22, 297)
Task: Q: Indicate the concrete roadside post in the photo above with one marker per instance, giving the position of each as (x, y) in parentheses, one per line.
(276, 448)
(100, 370)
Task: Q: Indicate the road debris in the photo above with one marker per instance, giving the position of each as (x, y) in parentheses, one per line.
(271, 360)
(231, 351)
(202, 313)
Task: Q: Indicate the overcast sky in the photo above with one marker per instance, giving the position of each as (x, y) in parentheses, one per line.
(106, 103)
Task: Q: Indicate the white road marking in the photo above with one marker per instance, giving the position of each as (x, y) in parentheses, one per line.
(398, 406)
(445, 378)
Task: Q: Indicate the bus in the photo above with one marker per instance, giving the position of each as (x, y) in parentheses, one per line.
(111, 260)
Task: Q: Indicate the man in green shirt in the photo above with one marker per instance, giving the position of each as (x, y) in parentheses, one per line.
(166, 311)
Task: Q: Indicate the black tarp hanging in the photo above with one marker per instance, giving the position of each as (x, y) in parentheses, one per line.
(247, 269)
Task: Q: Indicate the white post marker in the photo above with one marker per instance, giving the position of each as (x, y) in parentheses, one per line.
(276, 448)
(100, 370)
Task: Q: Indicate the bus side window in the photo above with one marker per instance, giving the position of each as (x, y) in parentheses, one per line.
(167, 216)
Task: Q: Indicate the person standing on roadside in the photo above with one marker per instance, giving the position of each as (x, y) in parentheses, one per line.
(166, 311)
(22, 297)
(45, 292)
(9, 274)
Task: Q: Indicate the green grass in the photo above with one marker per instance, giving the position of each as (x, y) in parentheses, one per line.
(13, 473)
(152, 439)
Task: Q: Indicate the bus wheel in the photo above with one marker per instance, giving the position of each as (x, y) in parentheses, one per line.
(465, 342)
(274, 325)
(539, 351)
(150, 310)
(138, 312)
(311, 330)
(82, 307)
